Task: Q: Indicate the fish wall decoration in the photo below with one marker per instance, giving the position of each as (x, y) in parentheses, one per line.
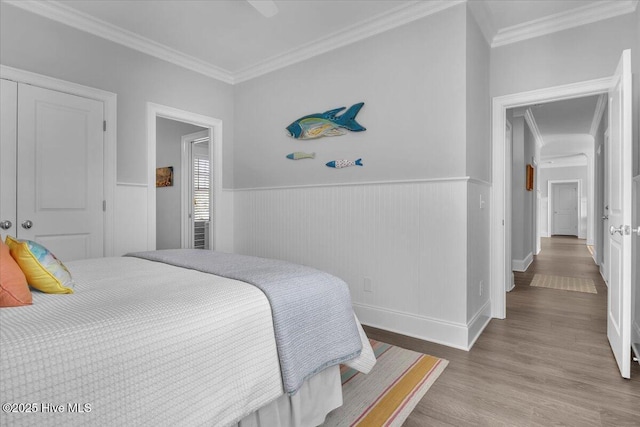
(300, 155)
(326, 124)
(339, 164)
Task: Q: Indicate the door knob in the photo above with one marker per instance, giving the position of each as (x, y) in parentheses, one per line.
(5, 225)
(623, 229)
(605, 217)
(27, 224)
(636, 231)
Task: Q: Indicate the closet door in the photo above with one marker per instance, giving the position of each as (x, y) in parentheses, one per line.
(60, 172)
(8, 121)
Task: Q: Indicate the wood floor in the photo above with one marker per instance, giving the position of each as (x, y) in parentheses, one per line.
(547, 364)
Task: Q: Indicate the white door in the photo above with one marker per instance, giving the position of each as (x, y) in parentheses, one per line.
(60, 172)
(8, 133)
(565, 209)
(620, 197)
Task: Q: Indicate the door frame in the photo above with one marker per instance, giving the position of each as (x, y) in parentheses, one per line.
(215, 154)
(550, 187)
(186, 238)
(109, 100)
(500, 198)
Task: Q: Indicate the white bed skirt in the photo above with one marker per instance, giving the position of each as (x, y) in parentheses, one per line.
(317, 397)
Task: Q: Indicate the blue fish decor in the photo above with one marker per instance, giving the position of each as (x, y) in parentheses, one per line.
(326, 124)
(300, 155)
(339, 164)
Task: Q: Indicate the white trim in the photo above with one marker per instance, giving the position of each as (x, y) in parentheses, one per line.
(586, 14)
(501, 199)
(84, 22)
(215, 153)
(109, 100)
(385, 21)
(187, 167)
(597, 115)
(533, 126)
(478, 323)
(394, 18)
(443, 332)
(130, 184)
(522, 264)
(351, 184)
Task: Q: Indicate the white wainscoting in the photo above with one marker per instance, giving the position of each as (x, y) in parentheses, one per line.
(130, 218)
(406, 241)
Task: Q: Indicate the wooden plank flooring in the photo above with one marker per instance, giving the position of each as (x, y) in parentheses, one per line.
(548, 363)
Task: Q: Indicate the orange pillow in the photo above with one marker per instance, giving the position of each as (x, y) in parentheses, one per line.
(14, 290)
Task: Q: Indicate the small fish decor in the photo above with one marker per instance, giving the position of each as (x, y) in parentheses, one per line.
(326, 124)
(300, 155)
(339, 164)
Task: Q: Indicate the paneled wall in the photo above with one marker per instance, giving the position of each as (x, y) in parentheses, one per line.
(401, 247)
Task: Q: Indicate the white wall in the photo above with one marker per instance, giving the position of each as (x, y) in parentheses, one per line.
(410, 219)
(578, 54)
(33, 43)
(412, 81)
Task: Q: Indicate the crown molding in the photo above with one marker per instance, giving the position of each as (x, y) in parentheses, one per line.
(562, 21)
(380, 23)
(84, 22)
(533, 127)
(597, 115)
(396, 17)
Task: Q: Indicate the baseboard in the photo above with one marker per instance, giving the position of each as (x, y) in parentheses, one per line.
(478, 323)
(451, 334)
(522, 264)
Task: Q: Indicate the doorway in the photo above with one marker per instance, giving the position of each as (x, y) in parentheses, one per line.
(501, 262)
(196, 201)
(170, 135)
(216, 234)
(564, 207)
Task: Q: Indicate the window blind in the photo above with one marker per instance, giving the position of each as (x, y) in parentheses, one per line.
(201, 173)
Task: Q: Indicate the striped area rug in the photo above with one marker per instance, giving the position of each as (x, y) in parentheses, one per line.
(575, 284)
(387, 395)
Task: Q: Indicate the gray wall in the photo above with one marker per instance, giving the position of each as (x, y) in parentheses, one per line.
(478, 166)
(522, 206)
(478, 112)
(169, 199)
(33, 43)
(582, 53)
(412, 81)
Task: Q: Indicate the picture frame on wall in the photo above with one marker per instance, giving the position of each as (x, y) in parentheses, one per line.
(164, 177)
(530, 178)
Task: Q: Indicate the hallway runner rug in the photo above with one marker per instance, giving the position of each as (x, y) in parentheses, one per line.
(575, 284)
(387, 395)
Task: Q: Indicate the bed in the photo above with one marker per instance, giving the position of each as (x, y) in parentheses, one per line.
(158, 338)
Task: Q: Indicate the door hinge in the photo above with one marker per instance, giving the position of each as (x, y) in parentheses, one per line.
(104, 125)
(104, 206)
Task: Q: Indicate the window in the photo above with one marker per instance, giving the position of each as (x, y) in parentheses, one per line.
(201, 172)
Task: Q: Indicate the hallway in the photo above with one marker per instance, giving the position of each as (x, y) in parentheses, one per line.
(548, 363)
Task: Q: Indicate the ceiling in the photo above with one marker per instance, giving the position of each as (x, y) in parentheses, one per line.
(231, 41)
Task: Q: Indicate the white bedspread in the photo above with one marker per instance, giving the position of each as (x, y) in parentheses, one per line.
(158, 353)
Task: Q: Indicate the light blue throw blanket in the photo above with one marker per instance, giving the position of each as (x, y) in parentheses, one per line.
(312, 314)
